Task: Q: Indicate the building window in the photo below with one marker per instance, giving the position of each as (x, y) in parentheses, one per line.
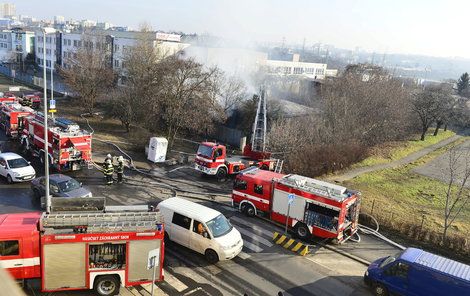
(19, 48)
(116, 63)
(75, 43)
(116, 48)
(38, 60)
(48, 63)
(298, 70)
(320, 71)
(48, 51)
(287, 70)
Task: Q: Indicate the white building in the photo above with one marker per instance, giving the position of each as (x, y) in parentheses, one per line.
(15, 45)
(52, 40)
(7, 9)
(58, 19)
(295, 67)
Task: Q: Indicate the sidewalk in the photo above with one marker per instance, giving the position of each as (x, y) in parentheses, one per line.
(394, 164)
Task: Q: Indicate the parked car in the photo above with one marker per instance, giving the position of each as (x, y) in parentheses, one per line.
(59, 186)
(201, 229)
(417, 272)
(15, 168)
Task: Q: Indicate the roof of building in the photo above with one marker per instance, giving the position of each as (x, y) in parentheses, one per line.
(438, 263)
(189, 209)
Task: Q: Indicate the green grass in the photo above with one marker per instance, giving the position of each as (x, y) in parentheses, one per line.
(409, 195)
(402, 149)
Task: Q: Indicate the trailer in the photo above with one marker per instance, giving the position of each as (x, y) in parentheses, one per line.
(82, 251)
(305, 205)
(69, 145)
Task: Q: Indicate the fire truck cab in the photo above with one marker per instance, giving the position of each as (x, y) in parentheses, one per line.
(212, 159)
(308, 206)
(12, 118)
(76, 251)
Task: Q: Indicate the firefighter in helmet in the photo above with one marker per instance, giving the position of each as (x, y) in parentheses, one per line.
(108, 157)
(108, 171)
(120, 169)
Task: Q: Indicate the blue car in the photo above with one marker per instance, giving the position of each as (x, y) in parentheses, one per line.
(416, 272)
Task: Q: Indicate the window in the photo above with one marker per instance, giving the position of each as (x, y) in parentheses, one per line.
(199, 228)
(38, 60)
(240, 184)
(399, 269)
(218, 152)
(9, 248)
(3, 162)
(116, 63)
(65, 42)
(181, 220)
(298, 70)
(107, 256)
(319, 71)
(258, 189)
(116, 47)
(69, 42)
(75, 43)
(19, 48)
(48, 51)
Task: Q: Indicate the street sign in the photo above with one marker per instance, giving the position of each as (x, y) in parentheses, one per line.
(153, 258)
(51, 104)
(290, 198)
(52, 110)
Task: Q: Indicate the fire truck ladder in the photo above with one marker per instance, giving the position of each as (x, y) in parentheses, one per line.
(278, 166)
(103, 222)
(258, 138)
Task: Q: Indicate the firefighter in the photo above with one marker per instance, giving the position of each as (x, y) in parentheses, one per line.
(120, 169)
(108, 157)
(108, 171)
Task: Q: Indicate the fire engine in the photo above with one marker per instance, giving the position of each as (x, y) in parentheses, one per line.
(12, 118)
(78, 251)
(212, 159)
(307, 206)
(33, 101)
(69, 146)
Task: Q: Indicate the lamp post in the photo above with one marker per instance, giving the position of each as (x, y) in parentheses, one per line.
(46, 31)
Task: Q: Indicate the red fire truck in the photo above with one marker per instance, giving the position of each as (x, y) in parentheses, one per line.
(69, 146)
(312, 207)
(12, 118)
(212, 159)
(75, 251)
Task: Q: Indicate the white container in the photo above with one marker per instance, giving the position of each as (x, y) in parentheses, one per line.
(157, 149)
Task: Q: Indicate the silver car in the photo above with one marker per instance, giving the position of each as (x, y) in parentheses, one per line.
(59, 186)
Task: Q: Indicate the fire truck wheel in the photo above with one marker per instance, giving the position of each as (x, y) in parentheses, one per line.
(380, 290)
(211, 256)
(9, 179)
(248, 210)
(221, 174)
(107, 285)
(302, 231)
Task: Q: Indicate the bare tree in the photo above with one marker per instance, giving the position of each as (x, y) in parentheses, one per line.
(445, 105)
(457, 196)
(230, 91)
(425, 105)
(88, 71)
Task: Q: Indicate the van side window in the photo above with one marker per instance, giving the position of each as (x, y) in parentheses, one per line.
(399, 269)
(199, 228)
(9, 248)
(181, 220)
(240, 184)
(258, 189)
(3, 162)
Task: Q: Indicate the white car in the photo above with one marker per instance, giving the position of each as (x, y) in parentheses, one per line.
(15, 168)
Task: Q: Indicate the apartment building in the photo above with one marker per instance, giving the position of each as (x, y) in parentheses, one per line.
(15, 45)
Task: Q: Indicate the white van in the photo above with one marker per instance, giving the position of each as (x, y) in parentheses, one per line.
(201, 229)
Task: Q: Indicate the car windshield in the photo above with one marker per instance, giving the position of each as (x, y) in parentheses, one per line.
(204, 151)
(219, 226)
(17, 163)
(390, 259)
(69, 185)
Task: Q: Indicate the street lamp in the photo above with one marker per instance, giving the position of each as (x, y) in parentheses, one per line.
(46, 31)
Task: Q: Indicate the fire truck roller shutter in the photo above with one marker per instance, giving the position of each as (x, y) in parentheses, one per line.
(280, 203)
(64, 266)
(138, 251)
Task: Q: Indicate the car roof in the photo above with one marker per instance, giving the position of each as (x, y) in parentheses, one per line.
(10, 155)
(59, 177)
(189, 209)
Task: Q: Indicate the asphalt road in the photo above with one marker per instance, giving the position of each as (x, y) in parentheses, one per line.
(263, 268)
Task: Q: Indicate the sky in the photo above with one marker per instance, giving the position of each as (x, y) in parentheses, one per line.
(428, 27)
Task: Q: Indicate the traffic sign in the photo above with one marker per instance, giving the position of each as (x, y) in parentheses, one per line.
(153, 258)
(52, 110)
(290, 198)
(51, 104)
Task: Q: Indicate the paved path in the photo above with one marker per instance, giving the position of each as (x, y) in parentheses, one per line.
(402, 161)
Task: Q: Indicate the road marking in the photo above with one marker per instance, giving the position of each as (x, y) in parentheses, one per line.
(255, 237)
(244, 255)
(252, 247)
(156, 289)
(174, 282)
(252, 226)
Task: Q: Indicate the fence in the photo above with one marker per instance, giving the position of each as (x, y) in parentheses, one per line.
(34, 81)
(414, 226)
(229, 135)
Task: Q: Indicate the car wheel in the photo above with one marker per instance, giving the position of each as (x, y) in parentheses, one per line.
(221, 174)
(302, 231)
(380, 290)
(212, 256)
(107, 286)
(9, 179)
